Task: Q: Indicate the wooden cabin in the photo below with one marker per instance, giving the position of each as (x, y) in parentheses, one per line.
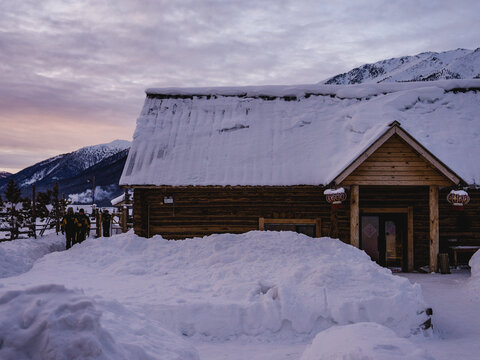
(219, 160)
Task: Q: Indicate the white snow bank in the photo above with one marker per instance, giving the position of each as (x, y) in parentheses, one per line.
(247, 284)
(362, 341)
(474, 264)
(18, 256)
(474, 281)
(51, 322)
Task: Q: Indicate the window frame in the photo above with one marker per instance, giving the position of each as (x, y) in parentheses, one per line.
(317, 222)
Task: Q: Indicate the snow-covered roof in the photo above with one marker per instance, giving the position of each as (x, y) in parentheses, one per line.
(118, 199)
(293, 135)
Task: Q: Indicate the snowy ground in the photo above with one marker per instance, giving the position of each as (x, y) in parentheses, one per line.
(260, 295)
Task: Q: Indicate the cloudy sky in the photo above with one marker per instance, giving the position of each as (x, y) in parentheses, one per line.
(73, 73)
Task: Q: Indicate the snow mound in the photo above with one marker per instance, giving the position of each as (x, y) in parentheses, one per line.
(474, 264)
(227, 285)
(362, 341)
(51, 322)
(474, 282)
(18, 256)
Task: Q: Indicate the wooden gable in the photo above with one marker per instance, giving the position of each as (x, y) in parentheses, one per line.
(396, 158)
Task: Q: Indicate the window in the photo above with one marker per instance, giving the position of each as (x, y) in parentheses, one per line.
(310, 227)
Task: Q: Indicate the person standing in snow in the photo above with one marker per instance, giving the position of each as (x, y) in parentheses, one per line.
(69, 227)
(106, 217)
(84, 224)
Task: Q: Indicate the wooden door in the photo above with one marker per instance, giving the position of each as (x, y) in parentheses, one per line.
(384, 238)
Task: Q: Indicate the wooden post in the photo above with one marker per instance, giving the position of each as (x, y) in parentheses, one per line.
(99, 224)
(124, 218)
(333, 223)
(261, 223)
(34, 213)
(354, 216)
(434, 228)
(148, 221)
(410, 264)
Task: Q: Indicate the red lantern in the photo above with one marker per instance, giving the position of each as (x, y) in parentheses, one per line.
(335, 197)
(458, 198)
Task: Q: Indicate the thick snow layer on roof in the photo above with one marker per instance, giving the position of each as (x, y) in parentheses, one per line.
(290, 135)
(118, 199)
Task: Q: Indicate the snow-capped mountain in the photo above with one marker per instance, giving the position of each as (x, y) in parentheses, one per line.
(453, 64)
(67, 166)
(4, 174)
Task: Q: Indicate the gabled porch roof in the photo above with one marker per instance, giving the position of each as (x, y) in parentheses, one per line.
(396, 129)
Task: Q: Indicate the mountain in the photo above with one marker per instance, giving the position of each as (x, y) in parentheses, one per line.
(427, 66)
(68, 169)
(107, 174)
(4, 174)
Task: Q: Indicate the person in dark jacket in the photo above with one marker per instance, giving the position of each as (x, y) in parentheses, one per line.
(84, 226)
(106, 217)
(70, 227)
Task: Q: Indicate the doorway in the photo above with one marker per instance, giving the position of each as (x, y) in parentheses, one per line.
(383, 237)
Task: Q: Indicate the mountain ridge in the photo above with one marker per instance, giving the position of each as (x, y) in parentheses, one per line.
(426, 66)
(5, 174)
(65, 168)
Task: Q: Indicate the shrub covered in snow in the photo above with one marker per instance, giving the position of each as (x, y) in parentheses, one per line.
(362, 341)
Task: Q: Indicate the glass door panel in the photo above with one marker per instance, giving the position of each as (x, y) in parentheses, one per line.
(383, 238)
(393, 245)
(370, 234)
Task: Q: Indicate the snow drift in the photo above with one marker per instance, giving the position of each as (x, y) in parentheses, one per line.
(228, 285)
(362, 341)
(474, 282)
(18, 256)
(475, 265)
(51, 322)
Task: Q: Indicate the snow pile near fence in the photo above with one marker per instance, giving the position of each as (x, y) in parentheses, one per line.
(475, 265)
(18, 256)
(474, 282)
(51, 322)
(229, 285)
(362, 341)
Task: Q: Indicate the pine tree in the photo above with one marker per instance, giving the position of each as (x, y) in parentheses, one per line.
(43, 199)
(26, 214)
(13, 195)
(57, 207)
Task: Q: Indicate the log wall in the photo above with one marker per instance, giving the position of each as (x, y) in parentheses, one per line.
(200, 211)
(459, 227)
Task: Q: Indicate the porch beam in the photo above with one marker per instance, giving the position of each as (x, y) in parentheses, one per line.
(354, 216)
(410, 257)
(434, 228)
